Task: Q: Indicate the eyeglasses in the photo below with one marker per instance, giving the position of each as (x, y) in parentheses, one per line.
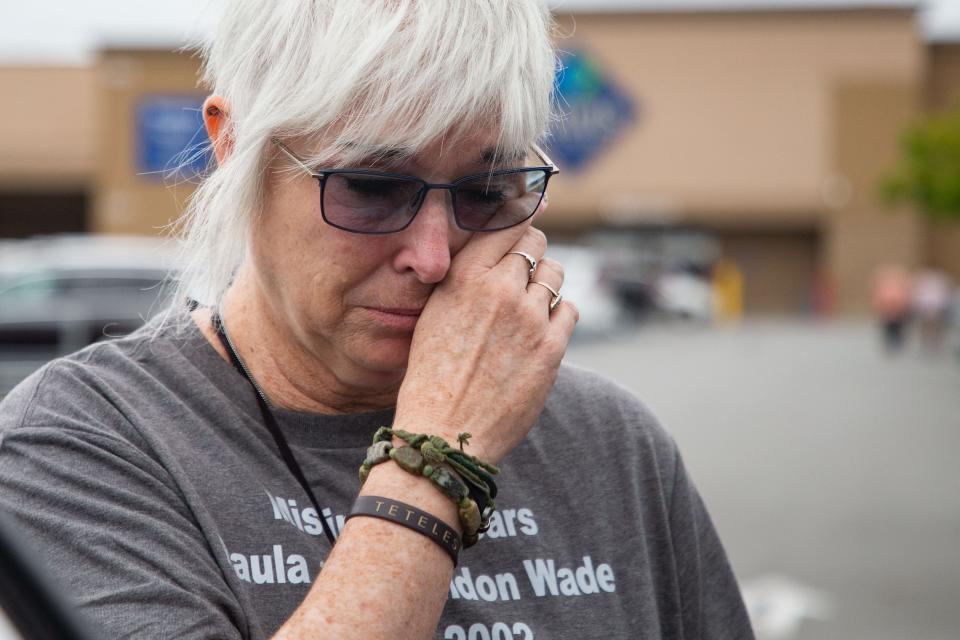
(370, 201)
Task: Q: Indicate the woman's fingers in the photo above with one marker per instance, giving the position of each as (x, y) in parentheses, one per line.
(545, 287)
(547, 282)
(531, 245)
(530, 262)
(488, 249)
(563, 319)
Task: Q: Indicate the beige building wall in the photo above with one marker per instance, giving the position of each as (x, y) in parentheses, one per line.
(737, 109)
(46, 135)
(47, 149)
(943, 76)
(772, 128)
(126, 202)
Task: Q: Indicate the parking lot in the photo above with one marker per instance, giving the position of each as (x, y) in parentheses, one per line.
(830, 469)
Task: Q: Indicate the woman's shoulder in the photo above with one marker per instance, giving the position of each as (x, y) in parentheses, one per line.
(89, 386)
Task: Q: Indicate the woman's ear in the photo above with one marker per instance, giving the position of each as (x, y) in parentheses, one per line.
(215, 116)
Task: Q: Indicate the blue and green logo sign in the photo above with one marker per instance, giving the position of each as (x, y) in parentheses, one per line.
(170, 138)
(593, 112)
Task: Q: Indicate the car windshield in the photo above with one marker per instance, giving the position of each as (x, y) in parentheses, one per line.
(45, 286)
(27, 288)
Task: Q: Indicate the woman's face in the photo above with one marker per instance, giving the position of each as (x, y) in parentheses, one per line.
(351, 300)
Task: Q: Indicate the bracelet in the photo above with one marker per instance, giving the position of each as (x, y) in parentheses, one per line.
(471, 488)
(475, 472)
(411, 518)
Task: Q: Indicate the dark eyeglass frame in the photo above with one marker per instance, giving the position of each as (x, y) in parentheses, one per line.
(549, 169)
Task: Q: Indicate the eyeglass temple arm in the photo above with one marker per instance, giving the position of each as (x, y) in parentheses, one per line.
(298, 161)
(543, 156)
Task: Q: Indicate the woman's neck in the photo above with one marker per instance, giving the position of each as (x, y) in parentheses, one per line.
(286, 370)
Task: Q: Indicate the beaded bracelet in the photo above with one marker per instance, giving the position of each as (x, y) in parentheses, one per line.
(471, 488)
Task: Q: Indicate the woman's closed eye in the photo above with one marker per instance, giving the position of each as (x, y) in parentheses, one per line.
(373, 187)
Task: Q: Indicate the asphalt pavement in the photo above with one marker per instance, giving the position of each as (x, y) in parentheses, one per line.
(832, 470)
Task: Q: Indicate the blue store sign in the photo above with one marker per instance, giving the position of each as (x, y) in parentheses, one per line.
(171, 141)
(593, 112)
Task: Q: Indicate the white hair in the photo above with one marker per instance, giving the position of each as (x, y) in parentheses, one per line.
(349, 74)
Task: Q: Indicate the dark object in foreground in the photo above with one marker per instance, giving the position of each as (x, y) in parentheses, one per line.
(27, 599)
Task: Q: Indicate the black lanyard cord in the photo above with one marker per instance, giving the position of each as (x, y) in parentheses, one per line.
(272, 425)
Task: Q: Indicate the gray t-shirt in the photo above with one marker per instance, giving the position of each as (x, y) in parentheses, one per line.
(143, 472)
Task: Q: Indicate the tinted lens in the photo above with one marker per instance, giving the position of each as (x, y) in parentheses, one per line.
(499, 200)
(369, 203)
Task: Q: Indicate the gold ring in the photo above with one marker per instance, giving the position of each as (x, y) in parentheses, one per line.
(557, 298)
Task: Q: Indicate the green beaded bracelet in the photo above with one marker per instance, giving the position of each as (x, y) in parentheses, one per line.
(427, 456)
(376, 453)
(413, 461)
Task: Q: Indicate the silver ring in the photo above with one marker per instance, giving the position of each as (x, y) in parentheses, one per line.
(530, 260)
(557, 298)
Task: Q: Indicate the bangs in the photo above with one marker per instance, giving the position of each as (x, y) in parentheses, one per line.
(403, 74)
(458, 85)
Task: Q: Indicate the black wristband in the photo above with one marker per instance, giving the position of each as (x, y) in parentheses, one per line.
(411, 518)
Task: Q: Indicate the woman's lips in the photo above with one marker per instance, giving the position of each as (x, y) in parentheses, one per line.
(399, 319)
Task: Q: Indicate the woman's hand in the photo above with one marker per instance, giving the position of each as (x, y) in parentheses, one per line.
(487, 347)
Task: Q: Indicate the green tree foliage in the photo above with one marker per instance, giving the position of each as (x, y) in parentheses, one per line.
(929, 171)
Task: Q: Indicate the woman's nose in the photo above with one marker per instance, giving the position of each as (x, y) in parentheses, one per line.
(431, 240)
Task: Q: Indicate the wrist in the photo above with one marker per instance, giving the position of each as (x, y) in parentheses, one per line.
(390, 481)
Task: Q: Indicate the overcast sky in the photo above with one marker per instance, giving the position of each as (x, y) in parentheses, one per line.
(68, 31)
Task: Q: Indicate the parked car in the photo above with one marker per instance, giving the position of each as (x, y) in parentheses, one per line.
(58, 294)
(686, 294)
(587, 285)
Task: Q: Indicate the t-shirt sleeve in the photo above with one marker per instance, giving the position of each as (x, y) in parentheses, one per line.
(712, 607)
(115, 534)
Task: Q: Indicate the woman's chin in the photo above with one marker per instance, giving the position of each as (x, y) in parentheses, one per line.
(386, 355)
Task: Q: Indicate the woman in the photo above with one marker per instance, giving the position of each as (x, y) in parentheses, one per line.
(363, 257)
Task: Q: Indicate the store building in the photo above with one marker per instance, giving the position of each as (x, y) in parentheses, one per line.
(761, 129)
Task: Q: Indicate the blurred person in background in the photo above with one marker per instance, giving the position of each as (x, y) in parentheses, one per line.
(931, 301)
(362, 257)
(891, 303)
